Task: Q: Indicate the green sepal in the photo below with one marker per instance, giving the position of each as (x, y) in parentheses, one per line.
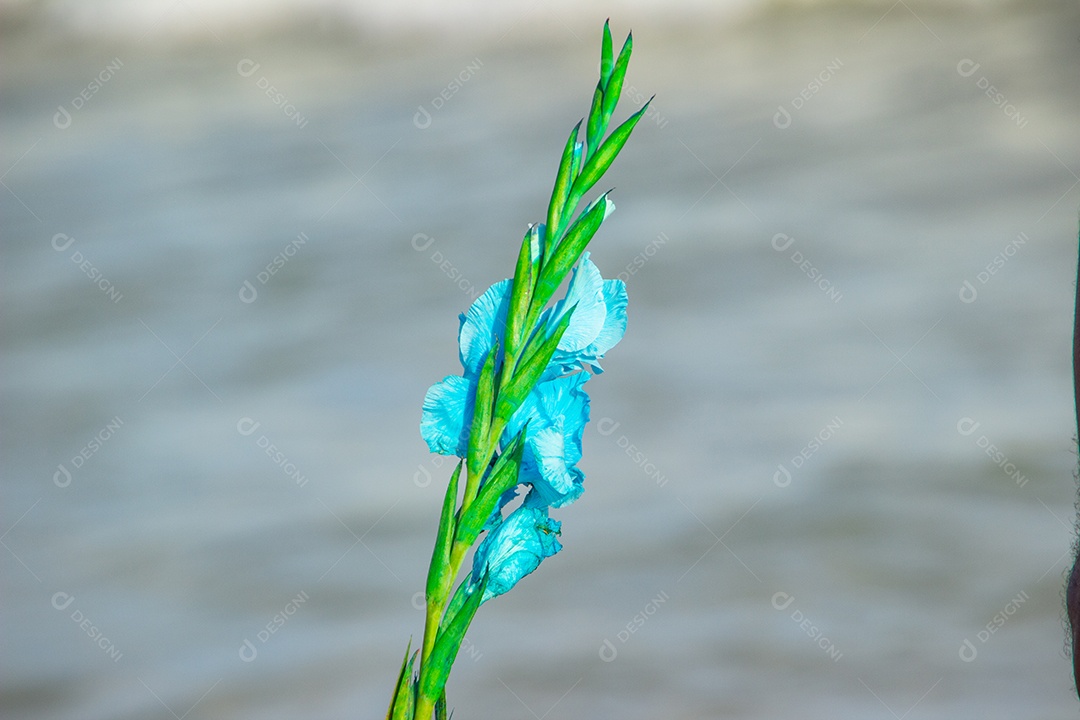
(563, 180)
(605, 55)
(613, 88)
(481, 421)
(437, 580)
(435, 671)
(601, 160)
(503, 477)
(403, 703)
(440, 707)
(521, 293)
(537, 355)
(596, 126)
(568, 252)
(456, 601)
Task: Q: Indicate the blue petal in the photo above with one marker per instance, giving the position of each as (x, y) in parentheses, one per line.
(556, 411)
(585, 294)
(614, 324)
(448, 411)
(515, 549)
(482, 324)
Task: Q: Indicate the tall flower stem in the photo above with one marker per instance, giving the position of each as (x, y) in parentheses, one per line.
(519, 365)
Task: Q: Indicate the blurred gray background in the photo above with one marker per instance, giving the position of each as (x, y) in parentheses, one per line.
(830, 468)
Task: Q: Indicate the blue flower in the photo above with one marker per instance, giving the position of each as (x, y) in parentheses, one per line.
(557, 409)
(556, 412)
(598, 322)
(514, 549)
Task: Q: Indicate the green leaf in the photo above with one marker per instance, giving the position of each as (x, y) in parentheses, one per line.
(596, 126)
(440, 707)
(537, 356)
(605, 55)
(481, 423)
(456, 601)
(601, 160)
(521, 294)
(562, 182)
(614, 86)
(568, 252)
(503, 477)
(404, 700)
(435, 671)
(437, 581)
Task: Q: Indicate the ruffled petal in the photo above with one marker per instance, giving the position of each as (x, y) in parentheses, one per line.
(482, 324)
(448, 411)
(585, 294)
(614, 323)
(514, 549)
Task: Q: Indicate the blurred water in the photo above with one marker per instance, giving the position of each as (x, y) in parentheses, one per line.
(783, 518)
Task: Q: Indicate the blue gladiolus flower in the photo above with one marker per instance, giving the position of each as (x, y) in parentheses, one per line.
(598, 323)
(515, 548)
(556, 412)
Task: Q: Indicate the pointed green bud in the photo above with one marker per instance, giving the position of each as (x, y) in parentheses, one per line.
(614, 86)
(605, 55)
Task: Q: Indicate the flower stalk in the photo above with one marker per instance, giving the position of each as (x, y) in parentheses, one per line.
(516, 415)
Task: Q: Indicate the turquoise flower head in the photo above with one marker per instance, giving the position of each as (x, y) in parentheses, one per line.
(515, 548)
(557, 409)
